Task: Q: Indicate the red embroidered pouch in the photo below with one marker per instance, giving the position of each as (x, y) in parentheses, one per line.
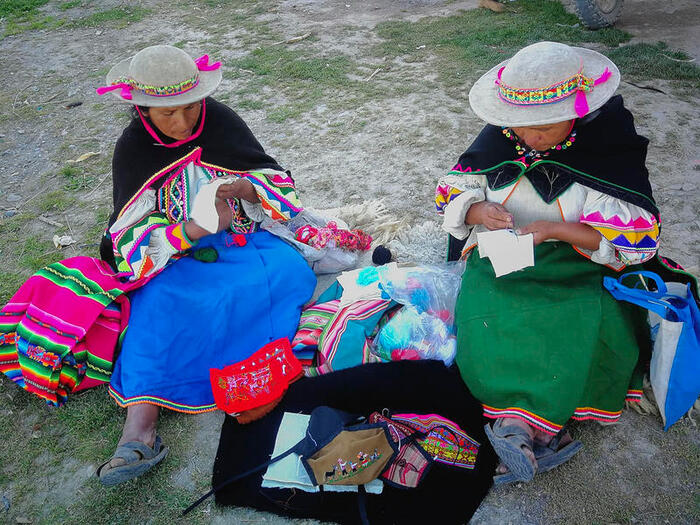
(259, 380)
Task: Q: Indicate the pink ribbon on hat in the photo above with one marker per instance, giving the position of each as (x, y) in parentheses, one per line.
(203, 64)
(125, 90)
(581, 103)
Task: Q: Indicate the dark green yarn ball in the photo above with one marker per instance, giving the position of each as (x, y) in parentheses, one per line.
(208, 254)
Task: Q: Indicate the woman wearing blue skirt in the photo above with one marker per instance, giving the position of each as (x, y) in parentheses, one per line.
(191, 186)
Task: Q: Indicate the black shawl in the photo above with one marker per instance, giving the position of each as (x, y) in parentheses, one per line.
(608, 156)
(226, 141)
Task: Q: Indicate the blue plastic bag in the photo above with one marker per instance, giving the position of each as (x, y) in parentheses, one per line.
(674, 319)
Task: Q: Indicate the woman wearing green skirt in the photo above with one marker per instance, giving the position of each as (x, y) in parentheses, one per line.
(559, 159)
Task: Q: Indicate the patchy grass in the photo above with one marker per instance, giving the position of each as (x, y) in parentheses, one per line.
(95, 232)
(250, 104)
(70, 4)
(304, 79)
(23, 251)
(75, 179)
(40, 443)
(473, 41)
(655, 61)
(278, 64)
(118, 17)
(31, 22)
(55, 201)
(19, 7)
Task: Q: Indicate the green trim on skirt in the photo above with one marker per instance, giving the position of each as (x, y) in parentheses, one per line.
(547, 343)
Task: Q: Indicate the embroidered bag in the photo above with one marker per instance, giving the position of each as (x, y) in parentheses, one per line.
(674, 319)
(412, 461)
(256, 382)
(338, 452)
(442, 439)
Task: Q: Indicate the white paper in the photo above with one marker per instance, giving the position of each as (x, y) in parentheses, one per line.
(289, 472)
(203, 210)
(507, 251)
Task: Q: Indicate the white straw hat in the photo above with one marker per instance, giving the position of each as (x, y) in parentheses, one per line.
(162, 76)
(544, 83)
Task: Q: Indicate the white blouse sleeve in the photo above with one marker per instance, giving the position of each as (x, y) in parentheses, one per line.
(629, 234)
(454, 194)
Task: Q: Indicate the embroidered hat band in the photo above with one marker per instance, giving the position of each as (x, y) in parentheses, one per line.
(162, 76)
(578, 84)
(536, 85)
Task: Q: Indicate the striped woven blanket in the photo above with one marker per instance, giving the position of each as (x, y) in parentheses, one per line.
(59, 332)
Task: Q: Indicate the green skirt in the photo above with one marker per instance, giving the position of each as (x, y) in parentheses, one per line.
(548, 343)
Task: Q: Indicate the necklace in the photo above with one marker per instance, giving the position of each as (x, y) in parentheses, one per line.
(527, 152)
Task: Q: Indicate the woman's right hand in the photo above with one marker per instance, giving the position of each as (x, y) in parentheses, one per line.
(491, 214)
(195, 232)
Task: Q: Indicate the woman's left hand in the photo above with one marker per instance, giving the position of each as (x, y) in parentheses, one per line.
(240, 189)
(575, 233)
(540, 230)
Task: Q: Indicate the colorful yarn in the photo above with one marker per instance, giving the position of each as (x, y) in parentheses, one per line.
(333, 236)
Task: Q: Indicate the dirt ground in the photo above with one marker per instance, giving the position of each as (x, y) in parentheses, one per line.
(393, 146)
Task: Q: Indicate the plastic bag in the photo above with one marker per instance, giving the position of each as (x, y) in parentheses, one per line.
(424, 327)
(329, 259)
(429, 288)
(414, 335)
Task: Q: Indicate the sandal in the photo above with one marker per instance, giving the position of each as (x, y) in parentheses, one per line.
(547, 456)
(555, 454)
(139, 458)
(508, 442)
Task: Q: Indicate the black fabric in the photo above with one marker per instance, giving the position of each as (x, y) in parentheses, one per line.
(454, 247)
(608, 152)
(446, 494)
(226, 141)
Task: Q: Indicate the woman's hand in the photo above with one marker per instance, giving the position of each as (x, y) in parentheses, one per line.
(491, 214)
(575, 233)
(195, 232)
(240, 189)
(225, 213)
(540, 230)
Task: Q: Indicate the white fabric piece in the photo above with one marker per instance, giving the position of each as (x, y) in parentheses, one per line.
(144, 205)
(354, 291)
(507, 251)
(203, 211)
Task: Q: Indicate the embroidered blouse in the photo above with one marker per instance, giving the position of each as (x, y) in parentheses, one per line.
(629, 233)
(149, 230)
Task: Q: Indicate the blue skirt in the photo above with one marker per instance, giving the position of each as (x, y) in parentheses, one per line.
(196, 315)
